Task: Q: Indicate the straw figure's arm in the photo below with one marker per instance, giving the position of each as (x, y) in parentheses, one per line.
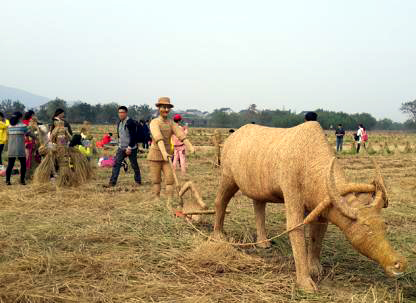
(54, 134)
(180, 134)
(162, 148)
(67, 134)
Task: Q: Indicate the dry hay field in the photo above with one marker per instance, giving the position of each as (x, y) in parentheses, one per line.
(91, 244)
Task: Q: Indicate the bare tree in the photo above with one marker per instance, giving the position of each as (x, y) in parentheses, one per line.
(410, 109)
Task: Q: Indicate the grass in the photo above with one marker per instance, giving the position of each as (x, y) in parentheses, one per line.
(92, 244)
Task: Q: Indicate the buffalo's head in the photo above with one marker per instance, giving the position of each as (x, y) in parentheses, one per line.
(361, 205)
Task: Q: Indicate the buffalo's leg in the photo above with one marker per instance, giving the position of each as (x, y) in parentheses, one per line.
(294, 215)
(316, 234)
(260, 213)
(226, 191)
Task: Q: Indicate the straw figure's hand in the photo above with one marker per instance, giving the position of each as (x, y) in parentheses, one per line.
(189, 146)
(162, 149)
(43, 150)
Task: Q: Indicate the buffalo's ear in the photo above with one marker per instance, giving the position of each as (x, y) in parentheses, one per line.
(379, 183)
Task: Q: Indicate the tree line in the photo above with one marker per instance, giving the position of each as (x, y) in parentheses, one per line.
(79, 112)
(224, 117)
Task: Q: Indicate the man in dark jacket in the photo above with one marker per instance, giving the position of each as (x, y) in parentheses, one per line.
(340, 133)
(146, 133)
(128, 137)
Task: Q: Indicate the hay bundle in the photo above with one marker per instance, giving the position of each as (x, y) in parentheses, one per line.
(386, 149)
(74, 167)
(81, 166)
(353, 147)
(217, 140)
(216, 258)
(66, 176)
(408, 148)
(370, 149)
(45, 169)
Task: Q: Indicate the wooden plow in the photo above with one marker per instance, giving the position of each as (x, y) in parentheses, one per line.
(192, 207)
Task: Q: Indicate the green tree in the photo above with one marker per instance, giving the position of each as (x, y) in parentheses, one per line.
(140, 112)
(107, 113)
(80, 112)
(221, 118)
(8, 107)
(47, 110)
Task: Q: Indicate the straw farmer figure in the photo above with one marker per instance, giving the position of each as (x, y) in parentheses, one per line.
(162, 130)
(73, 166)
(60, 135)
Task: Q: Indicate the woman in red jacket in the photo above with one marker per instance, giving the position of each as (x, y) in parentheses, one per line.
(29, 142)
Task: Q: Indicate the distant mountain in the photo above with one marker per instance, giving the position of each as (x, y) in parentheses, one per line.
(28, 99)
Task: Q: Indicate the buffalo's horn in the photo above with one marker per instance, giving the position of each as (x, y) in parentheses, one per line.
(357, 188)
(335, 197)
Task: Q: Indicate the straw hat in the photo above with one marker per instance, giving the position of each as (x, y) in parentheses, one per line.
(164, 101)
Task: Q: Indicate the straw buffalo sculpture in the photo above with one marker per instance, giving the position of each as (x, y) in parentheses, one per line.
(296, 166)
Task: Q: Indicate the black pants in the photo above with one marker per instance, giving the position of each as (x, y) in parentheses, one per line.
(358, 147)
(146, 144)
(1, 153)
(10, 166)
(120, 156)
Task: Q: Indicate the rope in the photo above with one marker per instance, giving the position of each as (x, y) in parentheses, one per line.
(242, 244)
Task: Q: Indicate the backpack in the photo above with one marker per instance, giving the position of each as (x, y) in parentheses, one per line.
(364, 136)
(356, 137)
(139, 131)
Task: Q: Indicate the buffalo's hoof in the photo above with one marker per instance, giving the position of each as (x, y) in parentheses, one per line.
(315, 269)
(307, 284)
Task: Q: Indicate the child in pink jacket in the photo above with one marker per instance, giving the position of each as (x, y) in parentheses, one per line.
(179, 147)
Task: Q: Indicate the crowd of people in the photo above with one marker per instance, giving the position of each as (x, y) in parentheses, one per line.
(27, 140)
(32, 142)
(360, 137)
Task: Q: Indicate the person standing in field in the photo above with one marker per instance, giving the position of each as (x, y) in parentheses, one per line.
(179, 147)
(30, 143)
(146, 132)
(4, 123)
(128, 134)
(162, 129)
(361, 137)
(16, 148)
(340, 133)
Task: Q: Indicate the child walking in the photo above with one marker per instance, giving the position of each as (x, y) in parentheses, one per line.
(179, 146)
(17, 132)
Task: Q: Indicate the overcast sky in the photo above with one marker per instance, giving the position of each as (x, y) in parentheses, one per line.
(354, 56)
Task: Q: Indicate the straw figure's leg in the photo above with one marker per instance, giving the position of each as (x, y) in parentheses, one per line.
(294, 216)
(155, 168)
(316, 234)
(260, 213)
(169, 180)
(226, 191)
